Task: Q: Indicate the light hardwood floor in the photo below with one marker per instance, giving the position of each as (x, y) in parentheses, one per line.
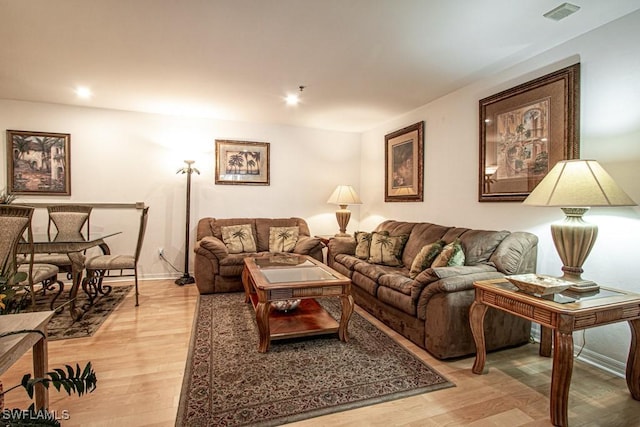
(139, 356)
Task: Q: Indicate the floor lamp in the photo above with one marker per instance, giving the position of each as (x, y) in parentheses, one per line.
(186, 277)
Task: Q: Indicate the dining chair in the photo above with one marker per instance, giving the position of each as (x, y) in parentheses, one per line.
(65, 220)
(14, 222)
(114, 265)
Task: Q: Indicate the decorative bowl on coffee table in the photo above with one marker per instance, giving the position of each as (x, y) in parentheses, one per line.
(286, 305)
(539, 284)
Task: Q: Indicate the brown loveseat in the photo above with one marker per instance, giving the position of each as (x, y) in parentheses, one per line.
(432, 309)
(217, 270)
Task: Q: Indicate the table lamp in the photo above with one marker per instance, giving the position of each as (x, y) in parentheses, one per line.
(575, 186)
(344, 195)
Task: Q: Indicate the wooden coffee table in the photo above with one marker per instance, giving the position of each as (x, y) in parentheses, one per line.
(562, 314)
(285, 277)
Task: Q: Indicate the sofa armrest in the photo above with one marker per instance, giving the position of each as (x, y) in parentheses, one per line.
(210, 245)
(306, 245)
(453, 279)
(341, 245)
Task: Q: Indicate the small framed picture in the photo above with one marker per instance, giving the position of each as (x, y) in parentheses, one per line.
(404, 164)
(525, 131)
(242, 162)
(38, 163)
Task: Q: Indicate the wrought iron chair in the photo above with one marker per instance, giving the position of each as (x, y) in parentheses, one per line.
(68, 220)
(101, 266)
(14, 221)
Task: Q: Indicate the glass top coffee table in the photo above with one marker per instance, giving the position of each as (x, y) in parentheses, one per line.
(281, 280)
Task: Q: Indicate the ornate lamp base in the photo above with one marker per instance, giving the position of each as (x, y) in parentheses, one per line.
(574, 238)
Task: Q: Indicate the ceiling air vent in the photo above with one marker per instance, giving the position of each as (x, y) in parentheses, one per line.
(562, 11)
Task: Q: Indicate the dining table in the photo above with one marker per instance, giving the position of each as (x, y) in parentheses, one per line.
(73, 245)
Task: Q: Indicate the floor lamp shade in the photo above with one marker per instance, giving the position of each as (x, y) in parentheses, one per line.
(344, 195)
(575, 186)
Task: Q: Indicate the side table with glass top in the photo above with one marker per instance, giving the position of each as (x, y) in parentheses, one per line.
(559, 315)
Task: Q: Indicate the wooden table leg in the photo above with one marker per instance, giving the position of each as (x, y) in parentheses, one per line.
(77, 267)
(545, 341)
(40, 368)
(347, 310)
(476, 321)
(561, 377)
(633, 361)
(262, 318)
(246, 284)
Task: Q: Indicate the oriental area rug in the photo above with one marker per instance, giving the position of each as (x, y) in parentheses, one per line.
(228, 382)
(62, 326)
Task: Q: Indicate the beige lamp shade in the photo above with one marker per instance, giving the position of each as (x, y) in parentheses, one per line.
(578, 183)
(574, 186)
(344, 195)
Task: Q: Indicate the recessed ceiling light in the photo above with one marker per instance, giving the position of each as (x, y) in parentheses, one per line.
(292, 99)
(562, 11)
(83, 92)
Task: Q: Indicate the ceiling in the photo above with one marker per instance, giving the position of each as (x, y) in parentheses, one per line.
(362, 62)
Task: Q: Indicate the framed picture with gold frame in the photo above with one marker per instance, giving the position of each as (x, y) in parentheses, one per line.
(38, 163)
(404, 164)
(525, 131)
(242, 162)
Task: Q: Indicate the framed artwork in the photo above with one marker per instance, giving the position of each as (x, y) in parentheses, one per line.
(525, 131)
(242, 162)
(38, 163)
(404, 164)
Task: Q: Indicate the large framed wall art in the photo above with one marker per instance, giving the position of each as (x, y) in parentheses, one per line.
(525, 131)
(242, 162)
(38, 163)
(404, 164)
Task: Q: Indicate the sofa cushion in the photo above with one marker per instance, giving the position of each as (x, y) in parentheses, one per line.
(397, 299)
(283, 239)
(387, 250)
(425, 258)
(349, 261)
(238, 238)
(451, 255)
(479, 245)
(422, 234)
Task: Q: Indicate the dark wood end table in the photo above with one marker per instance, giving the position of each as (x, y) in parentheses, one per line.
(559, 316)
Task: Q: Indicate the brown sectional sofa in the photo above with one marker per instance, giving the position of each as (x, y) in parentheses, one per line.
(432, 310)
(216, 270)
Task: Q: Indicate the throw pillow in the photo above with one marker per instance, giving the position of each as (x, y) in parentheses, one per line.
(425, 258)
(363, 243)
(452, 254)
(387, 250)
(238, 238)
(283, 239)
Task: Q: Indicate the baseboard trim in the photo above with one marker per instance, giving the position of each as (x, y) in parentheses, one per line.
(600, 361)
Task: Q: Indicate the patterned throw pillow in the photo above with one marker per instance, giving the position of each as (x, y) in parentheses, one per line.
(283, 239)
(387, 250)
(238, 238)
(452, 254)
(363, 243)
(425, 258)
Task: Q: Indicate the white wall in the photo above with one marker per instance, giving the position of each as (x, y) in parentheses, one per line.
(129, 157)
(610, 133)
(125, 157)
